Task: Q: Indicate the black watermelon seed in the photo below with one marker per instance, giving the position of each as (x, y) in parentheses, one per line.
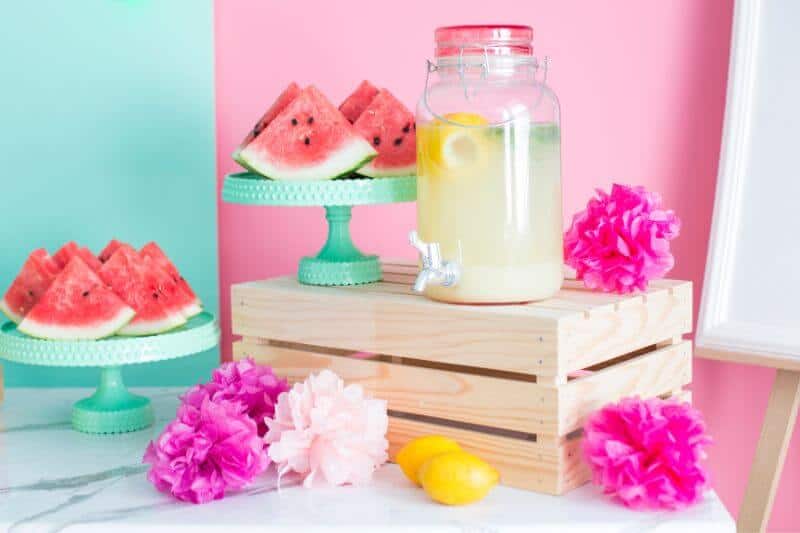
(256, 130)
(31, 294)
(407, 128)
(155, 295)
(307, 140)
(85, 294)
(294, 122)
(398, 141)
(310, 120)
(376, 141)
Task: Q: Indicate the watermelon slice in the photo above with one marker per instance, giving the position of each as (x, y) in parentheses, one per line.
(33, 280)
(391, 129)
(139, 283)
(109, 250)
(77, 306)
(190, 303)
(70, 250)
(356, 103)
(284, 99)
(309, 140)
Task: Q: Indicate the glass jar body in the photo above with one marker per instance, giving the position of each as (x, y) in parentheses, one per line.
(489, 179)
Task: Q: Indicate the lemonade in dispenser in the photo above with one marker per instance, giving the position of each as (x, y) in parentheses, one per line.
(489, 227)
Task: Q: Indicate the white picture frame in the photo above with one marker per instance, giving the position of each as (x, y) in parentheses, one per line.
(758, 106)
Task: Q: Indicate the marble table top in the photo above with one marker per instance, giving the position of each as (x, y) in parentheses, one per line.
(55, 479)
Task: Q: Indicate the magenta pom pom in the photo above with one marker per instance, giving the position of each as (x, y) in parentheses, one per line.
(647, 453)
(206, 451)
(621, 240)
(254, 389)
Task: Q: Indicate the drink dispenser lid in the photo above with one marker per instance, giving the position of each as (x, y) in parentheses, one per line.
(491, 39)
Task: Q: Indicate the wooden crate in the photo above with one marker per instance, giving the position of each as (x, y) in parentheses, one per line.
(511, 383)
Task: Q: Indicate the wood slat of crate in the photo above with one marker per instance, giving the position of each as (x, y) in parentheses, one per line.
(516, 404)
(513, 384)
(574, 330)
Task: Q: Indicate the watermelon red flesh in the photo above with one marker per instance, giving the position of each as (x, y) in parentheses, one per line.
(77, 306)
(283, 100)
(190, 303)
(356, 103)
(37, 273)
(390, 127)
(109, 250)
(138, 283)
(47, 261)
(70, 250)
(309, 140)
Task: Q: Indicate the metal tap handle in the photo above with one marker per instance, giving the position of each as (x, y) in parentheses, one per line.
(444, 273)
(430, 253)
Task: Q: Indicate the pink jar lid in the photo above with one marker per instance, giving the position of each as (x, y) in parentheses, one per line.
(493, 39)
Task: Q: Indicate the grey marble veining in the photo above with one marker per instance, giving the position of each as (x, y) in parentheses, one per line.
(54, 479)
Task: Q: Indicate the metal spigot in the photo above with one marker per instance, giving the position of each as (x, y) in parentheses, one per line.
(434, 269)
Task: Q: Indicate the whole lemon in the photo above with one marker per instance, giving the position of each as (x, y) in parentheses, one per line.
(457, 478)
(417, 451)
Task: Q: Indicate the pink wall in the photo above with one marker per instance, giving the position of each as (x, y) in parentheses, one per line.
(642, 87)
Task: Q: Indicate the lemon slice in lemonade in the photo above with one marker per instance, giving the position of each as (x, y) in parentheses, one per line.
(455, 144)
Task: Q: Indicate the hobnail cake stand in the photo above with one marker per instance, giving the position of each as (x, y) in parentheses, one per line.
(339, 262)
(112, 408)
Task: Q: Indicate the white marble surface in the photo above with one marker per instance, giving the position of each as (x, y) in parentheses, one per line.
(55, 479)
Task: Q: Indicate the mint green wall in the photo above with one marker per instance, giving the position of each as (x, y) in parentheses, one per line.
(107, 130)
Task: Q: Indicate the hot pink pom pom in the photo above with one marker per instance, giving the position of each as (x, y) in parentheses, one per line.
(253, 388)
(324, 429)
(647, 453)
(621, 240)
(206, 451)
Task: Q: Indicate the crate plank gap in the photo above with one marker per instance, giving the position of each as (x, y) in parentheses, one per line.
(511, 383)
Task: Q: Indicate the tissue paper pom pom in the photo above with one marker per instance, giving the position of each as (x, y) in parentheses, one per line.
(647, 453)
(621, 240)
(254, 389)
(322, 428)
(206, 451)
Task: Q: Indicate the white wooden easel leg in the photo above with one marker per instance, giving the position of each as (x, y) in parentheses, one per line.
(771, 452)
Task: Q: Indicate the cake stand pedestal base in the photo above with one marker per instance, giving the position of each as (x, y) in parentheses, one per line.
(339, 262)
(112, 409)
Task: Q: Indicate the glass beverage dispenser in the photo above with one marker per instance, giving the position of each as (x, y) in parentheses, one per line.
(489, 226)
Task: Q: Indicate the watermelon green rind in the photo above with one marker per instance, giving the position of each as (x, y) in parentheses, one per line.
(12, 316)
(152, 327)
(390, 172)
(347, 160)
(52, 332)
(193, 309)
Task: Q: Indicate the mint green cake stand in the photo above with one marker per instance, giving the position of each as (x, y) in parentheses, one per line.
(339, 262)
(111, 409)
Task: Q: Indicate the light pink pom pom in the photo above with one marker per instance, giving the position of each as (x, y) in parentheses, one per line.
(647, 453)
(324, 429)
(621, 240)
